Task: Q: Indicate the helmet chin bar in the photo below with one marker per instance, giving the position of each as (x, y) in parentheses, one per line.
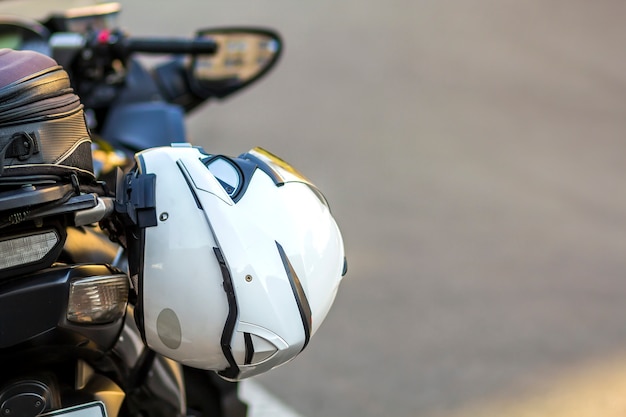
(234, 372)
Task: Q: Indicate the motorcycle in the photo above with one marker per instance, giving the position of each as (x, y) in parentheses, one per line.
(69, 341)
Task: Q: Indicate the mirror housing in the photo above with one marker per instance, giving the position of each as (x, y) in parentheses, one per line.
(85, 18)
(243, 56)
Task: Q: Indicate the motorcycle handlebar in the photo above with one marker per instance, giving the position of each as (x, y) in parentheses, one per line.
(167, 46)
(67, 45)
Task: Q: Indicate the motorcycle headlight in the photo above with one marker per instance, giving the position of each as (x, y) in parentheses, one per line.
(98, 300)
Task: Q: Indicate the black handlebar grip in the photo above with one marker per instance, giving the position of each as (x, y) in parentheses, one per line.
(167, 46)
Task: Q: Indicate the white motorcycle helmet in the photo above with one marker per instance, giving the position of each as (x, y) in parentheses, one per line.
(243, 264)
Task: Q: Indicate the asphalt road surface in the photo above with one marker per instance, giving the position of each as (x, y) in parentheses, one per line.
(474, 157)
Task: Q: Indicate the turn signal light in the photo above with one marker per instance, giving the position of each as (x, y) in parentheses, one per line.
(98, 300)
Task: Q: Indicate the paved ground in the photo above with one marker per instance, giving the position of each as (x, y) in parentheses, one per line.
(474, 156)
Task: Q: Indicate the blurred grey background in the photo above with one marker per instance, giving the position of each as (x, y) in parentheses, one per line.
(474, 157)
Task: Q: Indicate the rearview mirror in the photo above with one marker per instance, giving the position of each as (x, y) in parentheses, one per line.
(243, 55)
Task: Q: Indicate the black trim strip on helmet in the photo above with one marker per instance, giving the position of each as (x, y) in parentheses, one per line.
(136, 246)
(229, 327)
(183, 170)
(278, 179)
(299, 295)
(249, 348)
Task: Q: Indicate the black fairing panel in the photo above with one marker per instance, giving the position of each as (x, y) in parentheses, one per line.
(33, 310)
(89, 245)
